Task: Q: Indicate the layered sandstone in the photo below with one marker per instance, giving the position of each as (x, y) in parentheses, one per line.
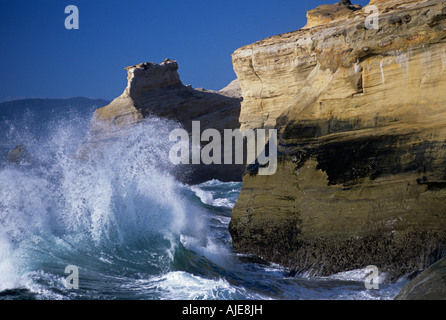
(330, 12)
(156, 90)
(361, 115)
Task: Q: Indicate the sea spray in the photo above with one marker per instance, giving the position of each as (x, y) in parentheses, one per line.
(8, 273)
(112, 209)
(119, 196)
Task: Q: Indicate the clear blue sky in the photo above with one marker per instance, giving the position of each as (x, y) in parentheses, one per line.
(40, 58)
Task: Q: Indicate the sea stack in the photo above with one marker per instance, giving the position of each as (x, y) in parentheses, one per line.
(156, 90)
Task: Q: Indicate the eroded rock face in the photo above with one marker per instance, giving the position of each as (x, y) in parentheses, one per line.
(18, 155)
(429, 285)
(361, 115)
(330, 12)
(156, 89)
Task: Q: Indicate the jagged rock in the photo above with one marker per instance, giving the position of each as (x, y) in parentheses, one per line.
(429, 285)
(330, 12)
(18, 155)
(361, 116)
(156, 89)
(232, 90)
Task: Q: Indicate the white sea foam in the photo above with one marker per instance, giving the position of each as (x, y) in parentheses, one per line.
(181, 285)
(120, 216)
(223, 194)
(205, 196)
(223, 202)
(9, 277)
(204, 246)
(120, 195)
(356, 275)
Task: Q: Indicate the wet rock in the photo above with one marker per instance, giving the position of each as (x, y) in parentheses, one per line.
(429, 285)
(18, 155)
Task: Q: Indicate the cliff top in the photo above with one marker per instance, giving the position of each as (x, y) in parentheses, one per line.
(341, 16)
(149, 76)
(344, 9)
(330, 12)
(167, 63)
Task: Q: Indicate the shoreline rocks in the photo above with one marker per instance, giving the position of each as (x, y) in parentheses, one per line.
(361, 116)
(429, 285)
(18, 155)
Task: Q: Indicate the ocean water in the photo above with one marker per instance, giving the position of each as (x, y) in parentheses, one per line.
(115, 212)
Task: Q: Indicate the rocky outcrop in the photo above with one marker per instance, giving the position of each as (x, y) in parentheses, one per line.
(429, 285)
(330, 12)
(18, 155)
(232, 90)
(361, 116)
(156, 90)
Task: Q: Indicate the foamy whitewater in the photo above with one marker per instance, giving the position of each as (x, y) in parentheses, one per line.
(115, 211)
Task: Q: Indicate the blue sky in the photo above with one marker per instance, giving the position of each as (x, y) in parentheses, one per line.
(40, 58)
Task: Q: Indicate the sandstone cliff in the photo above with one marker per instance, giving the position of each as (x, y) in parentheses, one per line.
(156, 89)
(361, 115)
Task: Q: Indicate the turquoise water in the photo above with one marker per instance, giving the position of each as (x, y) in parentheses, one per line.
(131, 229)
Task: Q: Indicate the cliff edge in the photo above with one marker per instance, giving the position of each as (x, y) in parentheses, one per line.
(361, 116)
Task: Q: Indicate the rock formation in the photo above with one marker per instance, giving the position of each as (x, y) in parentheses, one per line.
(18, 155)
(156, 89)
(361, 116)
(429, 285)
(330, 12)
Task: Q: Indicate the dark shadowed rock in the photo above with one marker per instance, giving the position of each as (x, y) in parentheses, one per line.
(18, 155)
(429, 285)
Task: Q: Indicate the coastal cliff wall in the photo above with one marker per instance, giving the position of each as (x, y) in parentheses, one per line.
(156, 90)
(361, 116)
(429, 285)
